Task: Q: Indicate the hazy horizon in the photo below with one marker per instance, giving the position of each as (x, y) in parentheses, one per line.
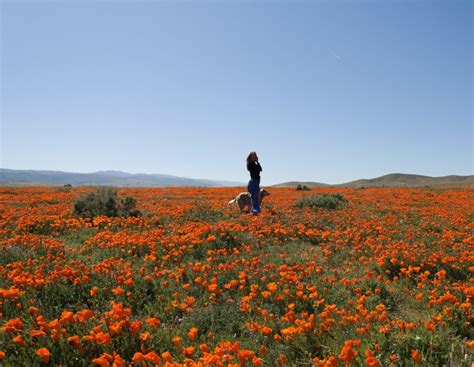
(323, 91)
(244, 182)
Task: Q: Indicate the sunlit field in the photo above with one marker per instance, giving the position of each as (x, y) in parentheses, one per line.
(383, 280)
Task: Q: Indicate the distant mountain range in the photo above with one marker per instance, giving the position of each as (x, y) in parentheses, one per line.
(124, 179)
(393, 180)
(112, 178)
(302, 183)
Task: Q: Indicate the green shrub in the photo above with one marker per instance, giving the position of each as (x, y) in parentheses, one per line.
(302, 188)
(104, 201)
(328, 201)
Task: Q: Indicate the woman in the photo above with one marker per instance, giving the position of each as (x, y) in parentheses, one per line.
(254, 184)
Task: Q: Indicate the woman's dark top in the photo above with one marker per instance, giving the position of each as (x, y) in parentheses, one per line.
(255, 168)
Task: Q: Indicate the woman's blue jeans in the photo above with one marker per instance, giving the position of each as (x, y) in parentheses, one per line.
(254, 188)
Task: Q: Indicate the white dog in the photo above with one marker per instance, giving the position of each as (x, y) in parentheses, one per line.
(244, 199)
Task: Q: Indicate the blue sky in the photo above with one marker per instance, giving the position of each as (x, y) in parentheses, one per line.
(325, 91)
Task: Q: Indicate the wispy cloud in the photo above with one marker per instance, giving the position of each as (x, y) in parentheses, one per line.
(336, 55)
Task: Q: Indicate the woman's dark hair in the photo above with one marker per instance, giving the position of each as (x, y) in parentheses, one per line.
(249, 157)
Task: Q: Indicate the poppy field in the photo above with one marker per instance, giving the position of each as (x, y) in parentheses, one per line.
(384, 280)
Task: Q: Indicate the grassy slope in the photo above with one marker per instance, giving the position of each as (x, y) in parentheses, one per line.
(393, 180)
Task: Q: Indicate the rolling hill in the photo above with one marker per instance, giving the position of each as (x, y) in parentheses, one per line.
(402, 179)
(302, 183)
(394, 180)
(112, 178)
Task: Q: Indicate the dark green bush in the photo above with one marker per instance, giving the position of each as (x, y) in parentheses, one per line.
(104, 201)
(302, 188)
(328, 201)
